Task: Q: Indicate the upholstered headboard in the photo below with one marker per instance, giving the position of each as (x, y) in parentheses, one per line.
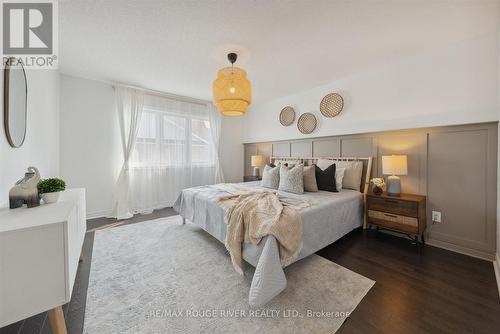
(367, 166)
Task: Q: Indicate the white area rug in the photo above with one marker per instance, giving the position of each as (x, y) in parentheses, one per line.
(163, 277)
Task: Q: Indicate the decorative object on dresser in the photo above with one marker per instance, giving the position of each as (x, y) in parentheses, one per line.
(49, 189)
(331, 105)
(394, 165)
(250, 178)
(404, 214)
(287, 116)
(39, 254)
(25, 190)
(307, 123)
(256, 162)
(378, 185)
(15, 91)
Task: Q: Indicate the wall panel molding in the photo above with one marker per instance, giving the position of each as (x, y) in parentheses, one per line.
(301, 149)
(455, 166)
(281, 149)
(326, 147)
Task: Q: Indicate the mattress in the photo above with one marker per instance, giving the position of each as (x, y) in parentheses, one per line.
(331, 216)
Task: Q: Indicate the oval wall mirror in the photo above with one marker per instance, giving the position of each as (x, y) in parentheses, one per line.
(15, 91)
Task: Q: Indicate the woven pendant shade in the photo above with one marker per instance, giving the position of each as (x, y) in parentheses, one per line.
(232, 91)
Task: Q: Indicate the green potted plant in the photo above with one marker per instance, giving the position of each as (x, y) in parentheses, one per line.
(49, 189)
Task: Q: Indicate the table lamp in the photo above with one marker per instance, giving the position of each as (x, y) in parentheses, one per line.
(256, 163)
(394, 165)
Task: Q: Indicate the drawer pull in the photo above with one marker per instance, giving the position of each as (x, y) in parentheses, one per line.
(391, 201)
(388, 215)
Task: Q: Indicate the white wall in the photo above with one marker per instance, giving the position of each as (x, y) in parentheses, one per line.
(90, 140)
(41, 146)
(453, 84)
(231, 148)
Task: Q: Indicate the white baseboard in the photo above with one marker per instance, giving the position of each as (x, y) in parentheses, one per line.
(462, 250)
(496, 266)
(451, 247)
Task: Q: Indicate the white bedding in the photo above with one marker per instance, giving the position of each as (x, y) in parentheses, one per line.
(331, 216)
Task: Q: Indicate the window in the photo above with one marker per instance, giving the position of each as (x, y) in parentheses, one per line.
(173, 139)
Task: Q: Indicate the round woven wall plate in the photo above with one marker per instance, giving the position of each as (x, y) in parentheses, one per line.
(307, 123)
(287, 116)
(331, 105)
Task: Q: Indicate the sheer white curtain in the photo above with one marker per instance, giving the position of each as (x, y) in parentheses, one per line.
(129, 104)
(176, 148)
(215, 119)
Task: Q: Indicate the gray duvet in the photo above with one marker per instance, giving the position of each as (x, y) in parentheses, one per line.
(331, 216)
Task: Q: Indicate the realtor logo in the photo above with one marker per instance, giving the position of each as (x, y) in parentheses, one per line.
(29, 28)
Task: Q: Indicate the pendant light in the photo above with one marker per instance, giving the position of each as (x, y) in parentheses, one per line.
(232, 91)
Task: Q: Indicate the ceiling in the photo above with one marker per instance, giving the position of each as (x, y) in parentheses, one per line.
(177, 46)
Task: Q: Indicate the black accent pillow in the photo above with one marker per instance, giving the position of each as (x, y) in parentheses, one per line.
(326, 178)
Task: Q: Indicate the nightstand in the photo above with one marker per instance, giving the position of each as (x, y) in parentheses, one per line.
(249, 178)
(404, 214)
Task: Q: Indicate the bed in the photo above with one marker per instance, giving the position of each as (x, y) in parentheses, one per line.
(331, 216)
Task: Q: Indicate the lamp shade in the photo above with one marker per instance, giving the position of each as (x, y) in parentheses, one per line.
(394, 165)
(256, 160)
(232, 91)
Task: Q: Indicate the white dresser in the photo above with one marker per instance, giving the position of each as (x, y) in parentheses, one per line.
(39, 254)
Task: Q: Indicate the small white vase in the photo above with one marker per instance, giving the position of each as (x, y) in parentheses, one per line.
(50, 197)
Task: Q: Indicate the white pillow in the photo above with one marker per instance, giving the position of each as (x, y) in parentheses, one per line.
(352, 175)
(339, 176)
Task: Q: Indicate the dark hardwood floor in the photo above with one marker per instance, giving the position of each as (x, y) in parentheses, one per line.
(431, 291)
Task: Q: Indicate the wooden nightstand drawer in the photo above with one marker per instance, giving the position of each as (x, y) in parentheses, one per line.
(394, 226)
(405, 214)
(396, 206)
(411, 221)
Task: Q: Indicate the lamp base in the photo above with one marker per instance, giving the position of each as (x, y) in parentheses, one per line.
(393, 186)
(256, 171)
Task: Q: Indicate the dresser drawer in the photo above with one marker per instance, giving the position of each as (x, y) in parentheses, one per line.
(395, 206)
(393, 222)
(393, 218)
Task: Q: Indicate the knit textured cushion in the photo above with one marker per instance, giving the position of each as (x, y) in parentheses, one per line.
(292, 179)
(271, 177)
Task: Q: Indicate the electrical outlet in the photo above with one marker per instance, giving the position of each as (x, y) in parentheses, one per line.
(436, 216)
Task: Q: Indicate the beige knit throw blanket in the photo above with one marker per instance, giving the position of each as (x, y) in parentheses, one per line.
(252, 215)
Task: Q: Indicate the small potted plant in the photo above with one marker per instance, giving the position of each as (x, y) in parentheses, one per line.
(49, 189)
(378, 185)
